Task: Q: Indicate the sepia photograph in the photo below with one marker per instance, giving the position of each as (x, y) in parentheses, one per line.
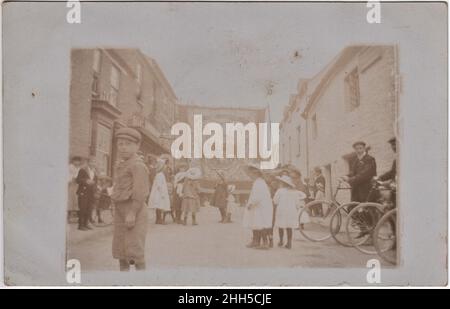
(324, 197)
(230, 143)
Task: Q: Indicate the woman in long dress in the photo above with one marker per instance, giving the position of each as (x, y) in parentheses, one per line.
(159, 195)
(258, 212)
(288, 201)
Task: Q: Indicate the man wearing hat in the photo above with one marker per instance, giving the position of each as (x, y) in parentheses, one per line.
(362, 170)
(220, 197)
(87, 184)
(390, 175)
(131, 189)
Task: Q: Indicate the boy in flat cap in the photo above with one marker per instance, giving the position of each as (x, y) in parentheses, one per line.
(131, 189)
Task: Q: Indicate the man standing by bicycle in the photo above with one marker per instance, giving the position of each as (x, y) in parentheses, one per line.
(390, 175)
(389, 178)
(362, 171)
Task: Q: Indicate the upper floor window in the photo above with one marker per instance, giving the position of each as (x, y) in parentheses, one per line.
(114, 90)
(289, 150)
(139, 73)
(97, 61)
(314, 126)
(352, 97)
(139, 81)
(96, 67)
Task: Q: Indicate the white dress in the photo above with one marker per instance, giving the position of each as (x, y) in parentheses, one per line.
(289, 204)
(159, 195)
(231, 204)
(259, 210)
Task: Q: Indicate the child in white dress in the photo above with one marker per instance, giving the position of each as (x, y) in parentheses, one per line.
(289, 201)
(231, 203)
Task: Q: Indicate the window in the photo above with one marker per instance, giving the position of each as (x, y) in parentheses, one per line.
(314, 126)
(352, 96)
(139, 81)
(114, 90)
(103, 148)
(139, 74)
(299, 139)
(96, 68)
(97, 61)
(290, 150)
(95, 84)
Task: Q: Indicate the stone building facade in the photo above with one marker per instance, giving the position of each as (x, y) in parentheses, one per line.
(113, 88)
(353, 98)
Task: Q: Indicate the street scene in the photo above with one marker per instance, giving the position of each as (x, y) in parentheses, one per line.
(135, 156)
(292, 166)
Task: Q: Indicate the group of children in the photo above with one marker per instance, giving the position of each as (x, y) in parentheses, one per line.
(133, 192)
(266, 210)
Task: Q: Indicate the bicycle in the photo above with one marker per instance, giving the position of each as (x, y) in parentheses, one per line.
(385, 237)
(367, 219)
(321, 228)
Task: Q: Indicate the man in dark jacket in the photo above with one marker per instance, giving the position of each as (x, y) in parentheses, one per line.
(362, 171)
(390, 175)
(86, 181)
(220, 197)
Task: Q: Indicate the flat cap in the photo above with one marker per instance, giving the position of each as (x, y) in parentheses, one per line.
(129, 134)
(359, 143)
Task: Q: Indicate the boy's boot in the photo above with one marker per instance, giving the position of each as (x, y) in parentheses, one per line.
(281, 235)
(124, 265)
(252, 244)
(289, 236)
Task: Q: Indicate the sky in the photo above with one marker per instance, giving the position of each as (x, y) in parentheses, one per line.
(235, 54)
(253, 54)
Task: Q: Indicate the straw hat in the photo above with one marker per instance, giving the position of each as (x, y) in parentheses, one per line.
(287, 180)
(252, 167)
(179, 177)
(231, 188)
(193, 173)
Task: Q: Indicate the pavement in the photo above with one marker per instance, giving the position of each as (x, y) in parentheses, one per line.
(209, 244)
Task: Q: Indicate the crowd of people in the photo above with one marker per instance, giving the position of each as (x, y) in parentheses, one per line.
(140, 183)
(277, 196)
(89, 193)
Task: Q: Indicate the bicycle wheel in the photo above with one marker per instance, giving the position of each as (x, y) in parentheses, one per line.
(361, 224)
(338, 221)
(385, 237)
(314, 220)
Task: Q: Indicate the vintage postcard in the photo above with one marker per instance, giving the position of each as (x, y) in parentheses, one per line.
(225, 143)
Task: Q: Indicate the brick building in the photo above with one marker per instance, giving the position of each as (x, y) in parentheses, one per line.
(355, 97)
(113, 88)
